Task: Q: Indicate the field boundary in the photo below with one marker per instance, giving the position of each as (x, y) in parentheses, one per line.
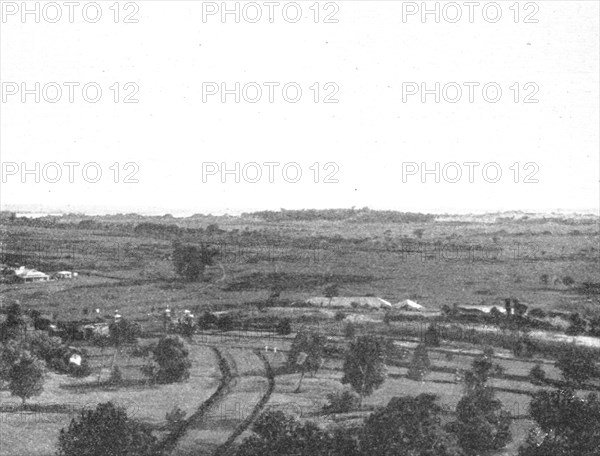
(227, 375)
(224, 449)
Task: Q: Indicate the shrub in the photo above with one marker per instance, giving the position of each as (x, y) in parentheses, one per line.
(537, 313)
(81, 370)
(116, 377)
(176, 415)
(105, 431)
(207, 320)
(578, 325)
(420, 364)
(339, 315)
(577, 366)
(124, 331)
(172, 358)
(350, 331)
(225, 323)
(568, 281)
(342, 402)
(432, 337)
(537, 375)
(284, 327)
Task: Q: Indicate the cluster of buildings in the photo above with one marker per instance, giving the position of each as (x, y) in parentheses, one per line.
(27, 275)
(364, 302)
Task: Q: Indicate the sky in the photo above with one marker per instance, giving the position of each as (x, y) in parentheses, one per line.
(534, 146)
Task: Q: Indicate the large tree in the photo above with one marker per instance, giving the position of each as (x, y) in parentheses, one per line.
(566, 425)
(276, 434)
(171, 355)
(482, 424)
(577, 366)
(408, 426)
(364, 365)
(190, 261)
(26, 377)
(105, 431)
(306, 354)
(14, 326)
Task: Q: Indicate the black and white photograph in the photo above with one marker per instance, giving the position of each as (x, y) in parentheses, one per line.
(300, 228)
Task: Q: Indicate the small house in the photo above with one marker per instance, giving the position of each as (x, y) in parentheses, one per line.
(24, 274)
(61, 275)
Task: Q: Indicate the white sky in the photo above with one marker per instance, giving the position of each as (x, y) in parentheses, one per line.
(369, 134)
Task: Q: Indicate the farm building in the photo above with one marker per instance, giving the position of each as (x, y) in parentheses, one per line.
(368, 302)
(65, 275)
(30, 275)
(478, 310)
(407, 304)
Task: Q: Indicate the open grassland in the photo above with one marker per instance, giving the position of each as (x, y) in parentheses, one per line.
(132, 271)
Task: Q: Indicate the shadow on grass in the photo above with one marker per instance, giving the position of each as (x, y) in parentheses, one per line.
(138, 384)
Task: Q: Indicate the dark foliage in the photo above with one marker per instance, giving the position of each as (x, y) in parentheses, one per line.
(364, 365)
(567, 425)
(171, 355)
(408, 426)
(190, 261)
(278, 435)
(105, 431)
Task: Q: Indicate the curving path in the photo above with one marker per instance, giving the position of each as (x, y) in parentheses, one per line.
(228, 374)
(214, 429)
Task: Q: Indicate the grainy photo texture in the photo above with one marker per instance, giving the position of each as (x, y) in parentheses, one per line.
(300, 228)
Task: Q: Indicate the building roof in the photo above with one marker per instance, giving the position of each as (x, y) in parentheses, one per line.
(371, 302)
(408, 304)
(25, 273)
(484, 309)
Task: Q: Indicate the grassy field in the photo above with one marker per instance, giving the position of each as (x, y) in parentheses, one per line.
(121, 267)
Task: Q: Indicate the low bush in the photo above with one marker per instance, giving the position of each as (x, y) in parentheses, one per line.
(342, 402)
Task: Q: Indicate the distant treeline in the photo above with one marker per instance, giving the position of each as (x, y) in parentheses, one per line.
(354, 215)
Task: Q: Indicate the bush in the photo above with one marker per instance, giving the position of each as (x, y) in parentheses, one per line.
(420, 364)
(124, 331)
(207, 320)
(537, 313)
(350, 331)
(81, 370)
(105, 431)
(175, 416)
(172, 358)
(537, 375)
(284, 327)
(225, 323)
(116, 377)
(568, 281)
(342, 402)
(432, 337)
(577, 366)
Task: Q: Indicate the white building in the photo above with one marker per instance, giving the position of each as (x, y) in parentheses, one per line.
(30, 275)
(358, 302)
